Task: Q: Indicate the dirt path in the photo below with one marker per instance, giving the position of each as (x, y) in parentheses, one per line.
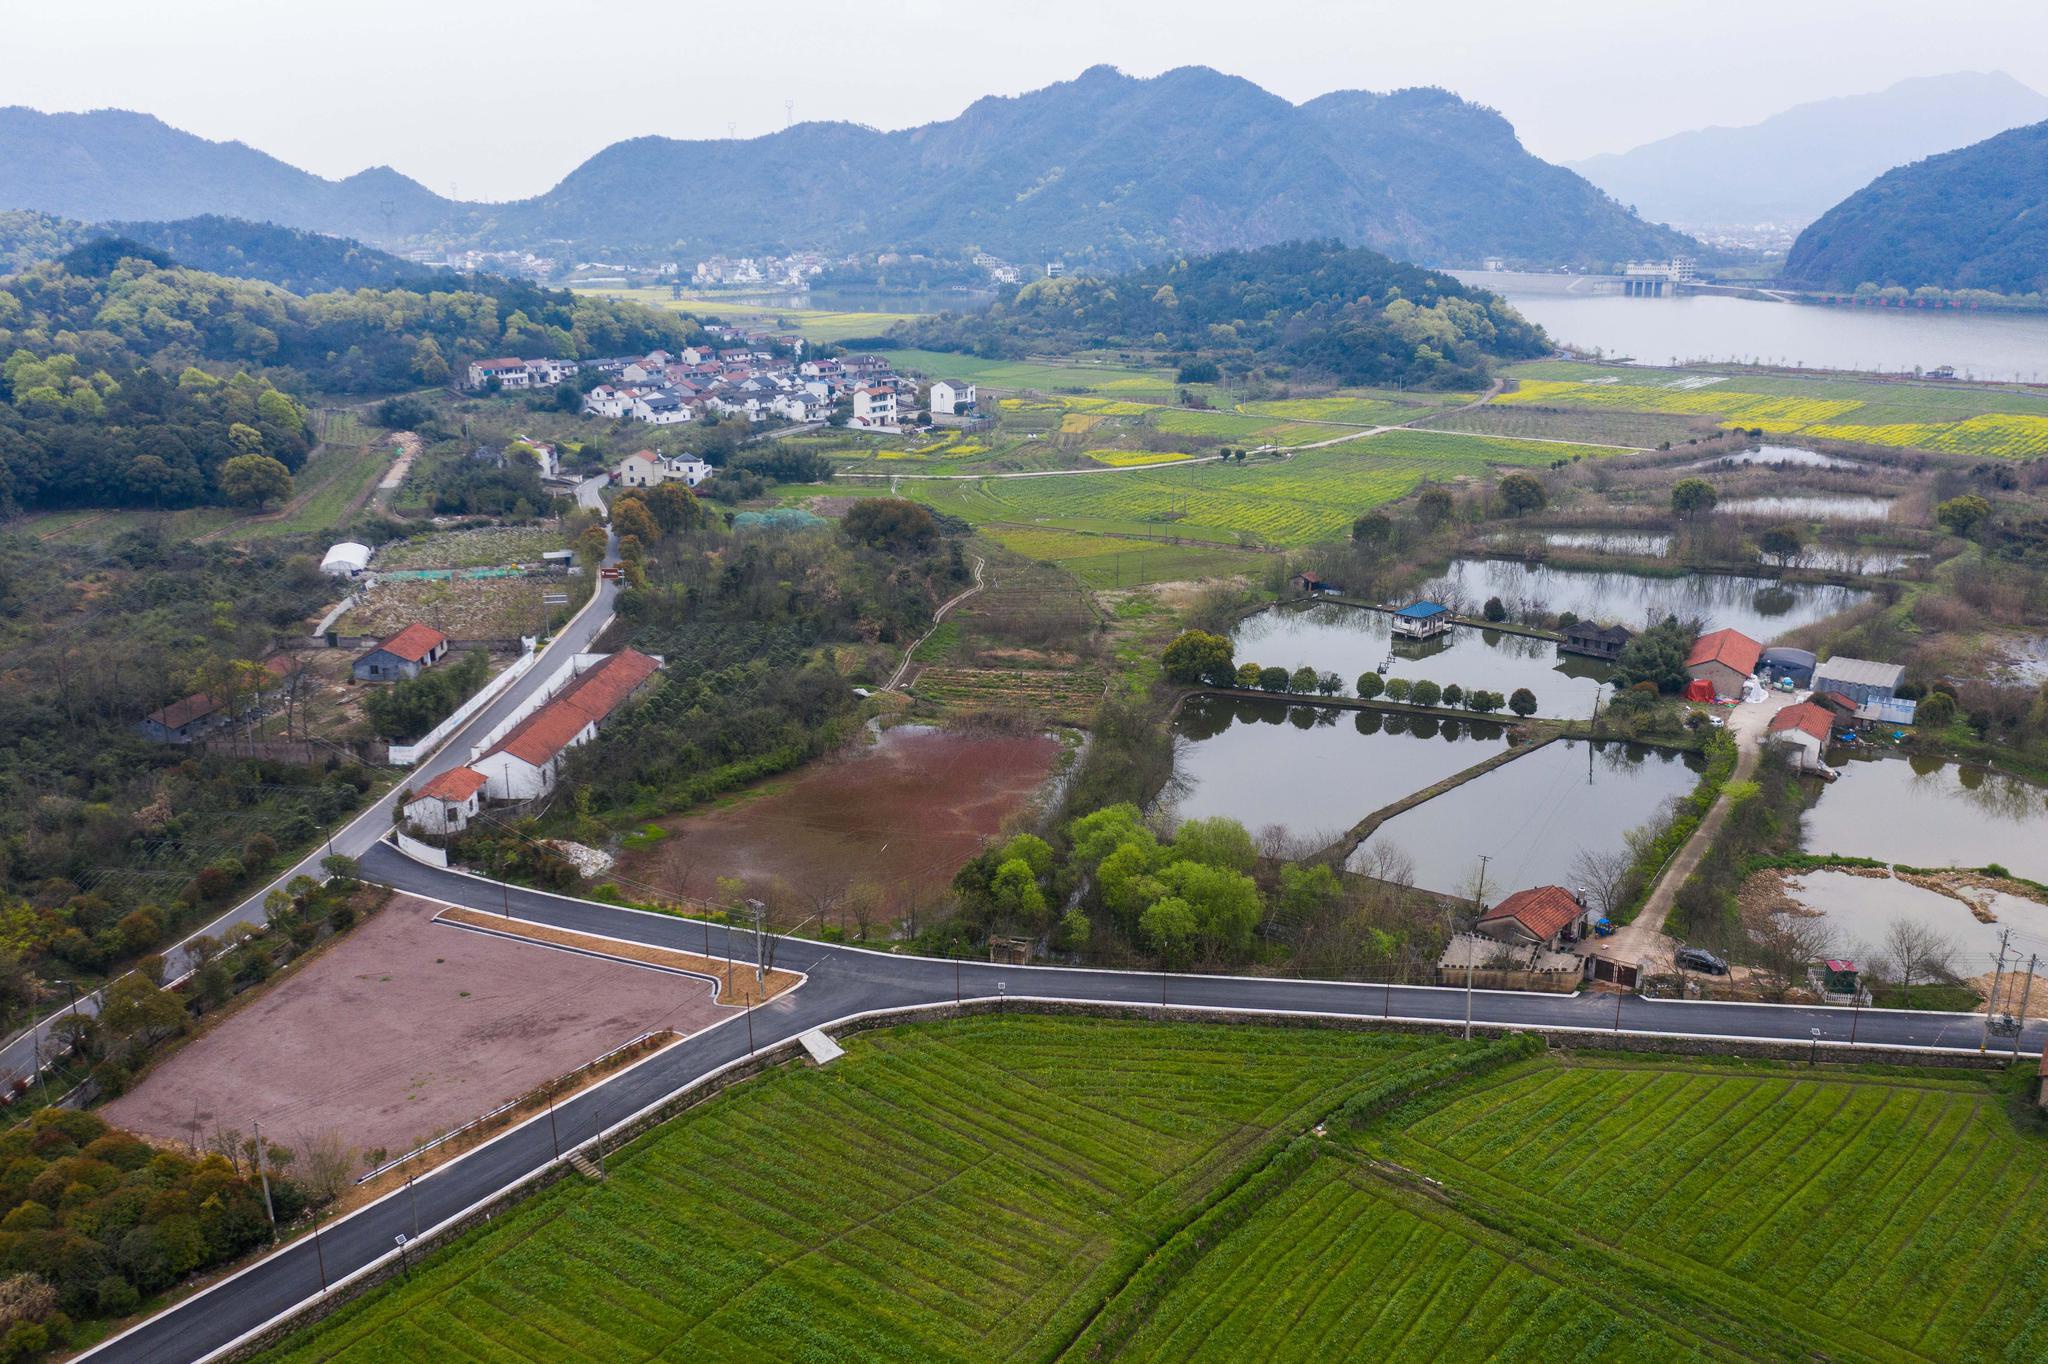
(938, 618)
(1643, 938)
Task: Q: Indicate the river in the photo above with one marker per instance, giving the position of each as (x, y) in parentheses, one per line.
(1707, 327)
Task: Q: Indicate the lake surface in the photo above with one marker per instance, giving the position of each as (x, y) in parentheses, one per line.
(1926, 812)
(1533, 816)
(1664, 331)
(1759, 607)
(1312, 770)
(1350, 640)
(1809, 507)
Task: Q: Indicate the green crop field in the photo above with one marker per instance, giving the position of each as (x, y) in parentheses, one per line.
(818, 324)
(1981, 420)
(1070, 1189)
(1049, 376)
(956, 1191)
(1311, 498)
(1110, 561)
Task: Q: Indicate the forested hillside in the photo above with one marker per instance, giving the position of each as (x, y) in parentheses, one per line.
(132, 383)
(1345, 313)
(303, 262)
(1970, 219)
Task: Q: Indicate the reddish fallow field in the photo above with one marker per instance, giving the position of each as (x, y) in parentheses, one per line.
(404, 1029)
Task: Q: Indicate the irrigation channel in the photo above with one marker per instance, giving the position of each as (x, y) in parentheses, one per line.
(845, 984)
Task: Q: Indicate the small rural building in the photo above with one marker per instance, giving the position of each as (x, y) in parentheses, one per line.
(874, 408)
(526, 762)
(950, 399)
(447, 803)
(641, 469)
(1724, 659)
(181, 722)
(509, 371)
(1840, 707)
(403, 655)
(1595, 640)
(1859, 679)
(1313, 586)
(1422, 620)
(1538, 917)
(1805, 729)
(1797, 664)
(345, 560)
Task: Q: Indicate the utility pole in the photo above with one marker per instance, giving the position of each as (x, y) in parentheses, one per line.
(554, 1137)
(1984, 1034)
(319, 1253)
(263, 1173)
(1479, 905)
(2025, 994)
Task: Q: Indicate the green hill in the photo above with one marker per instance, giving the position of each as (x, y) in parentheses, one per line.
(1976, 218)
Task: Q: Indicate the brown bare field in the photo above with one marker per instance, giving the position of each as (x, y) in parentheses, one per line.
(403, 1029)
(898, 816)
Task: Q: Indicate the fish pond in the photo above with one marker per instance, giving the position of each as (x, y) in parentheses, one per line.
(1809, 507)
(1532, 817)
(1928, 812)
(1860, 911)
(1779, 457)
(1312, 770)
(1762, 608)
(1351, 640)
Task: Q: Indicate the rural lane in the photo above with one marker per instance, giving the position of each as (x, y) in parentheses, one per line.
(842, 983)
(22, 1056)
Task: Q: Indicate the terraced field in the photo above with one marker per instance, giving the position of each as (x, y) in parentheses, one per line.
(1982, 420)
(1073, 1189)
(1067, 694)
(958, 1191)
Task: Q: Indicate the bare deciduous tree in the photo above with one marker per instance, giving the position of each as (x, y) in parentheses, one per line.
(1784, 948)
(1605, 877)
(1914, 953)
(324, 1164)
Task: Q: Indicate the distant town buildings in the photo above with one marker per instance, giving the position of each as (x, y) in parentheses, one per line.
(511, 372)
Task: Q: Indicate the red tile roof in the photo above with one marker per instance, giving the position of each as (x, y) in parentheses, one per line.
(181, 713)
(457, 783)
(587, 700)
(1806, 717)
(413, 643)
(1542, 910)
(1729, 647)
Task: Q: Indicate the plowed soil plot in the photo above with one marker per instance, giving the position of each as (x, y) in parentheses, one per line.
(404, 1029)
(899, 815)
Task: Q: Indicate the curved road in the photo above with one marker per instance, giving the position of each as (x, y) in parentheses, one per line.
(845, 982)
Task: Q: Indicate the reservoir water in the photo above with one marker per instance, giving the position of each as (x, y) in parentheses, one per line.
(1664, 331)
(1927, 812)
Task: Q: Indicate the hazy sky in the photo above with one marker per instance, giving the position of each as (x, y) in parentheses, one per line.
(501, 100)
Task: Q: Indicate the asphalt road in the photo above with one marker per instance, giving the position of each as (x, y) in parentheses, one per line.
(359, 835)
(844, 981)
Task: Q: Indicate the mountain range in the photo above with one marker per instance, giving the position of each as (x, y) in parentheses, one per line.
(1106, 169)
(1976, 218)
(1792, 167)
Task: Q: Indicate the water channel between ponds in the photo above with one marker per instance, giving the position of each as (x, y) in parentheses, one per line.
(1315, 771)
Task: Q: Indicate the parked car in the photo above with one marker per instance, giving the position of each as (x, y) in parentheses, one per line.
(1699, 959)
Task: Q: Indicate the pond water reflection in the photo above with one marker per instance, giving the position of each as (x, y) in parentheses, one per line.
(1532, 817)
(1759, 607)
(1927, 812)
(1809, 507)
(1351, 640)
(1311, 769)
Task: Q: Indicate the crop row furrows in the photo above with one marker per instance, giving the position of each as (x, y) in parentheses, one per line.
(1706, 1230)
(1705, 1115)
(1785, 1192)
(1987, 1275)
(1448, 1124)
(1692, 1150)
(1927, 1266)
(1801, 1227)
(1242, 1279)
(1648, 1190)
(1528, 1144)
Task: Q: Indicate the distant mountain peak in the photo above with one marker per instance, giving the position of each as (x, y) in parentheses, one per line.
(1790, 166)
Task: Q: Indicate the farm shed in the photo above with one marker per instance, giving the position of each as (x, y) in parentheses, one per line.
(405, 654)
(1724, 659)
(525, 763)
(1805, 729)
(1796, 664)
(1859, 679)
